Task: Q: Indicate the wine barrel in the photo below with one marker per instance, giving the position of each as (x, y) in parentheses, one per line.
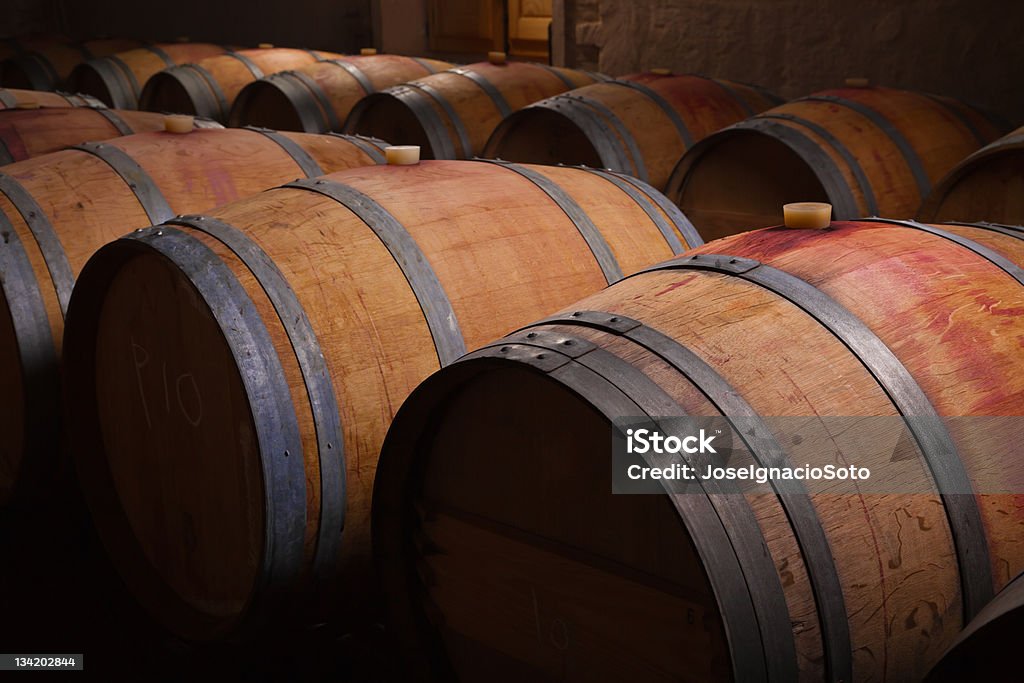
(506, 554)
(868, 151)
(56, 210)
(338, 295)
(640, 124)
(986, 186)
(209, 87)
(14, 46)
(118, 79)
(13, 98)
(30, 133)
(48, 67)
(451, 114)
(318, 97)
(987, 649)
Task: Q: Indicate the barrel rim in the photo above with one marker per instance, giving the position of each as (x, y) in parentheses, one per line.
(203, 91)
(833, 183)
(1012, 143)
(397, 468)
(299, 95)
(610, 154)
(119, 83)
(281, 552)
(442, 147)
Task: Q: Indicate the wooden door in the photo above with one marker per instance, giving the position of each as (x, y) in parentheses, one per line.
(528, 25)
(475, 26)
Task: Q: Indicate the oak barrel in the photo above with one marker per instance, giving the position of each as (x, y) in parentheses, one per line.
(57, 209)
(451, 114)
(117, 79)
(26, 133)
(49, 67)
(14, 98)
(210, 86)
(986, 186)
(318, 97)
(505, 554)
(869, 151)
(639, 124)
(291, 326)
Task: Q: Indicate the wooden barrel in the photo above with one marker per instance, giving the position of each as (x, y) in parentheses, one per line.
(14, 46)
(48, 67)
(505, 554)
(987, 649)
(56, 210)
(318, 97)
(345, 292)
(986, 186)
(13, 98)
(639, 125)
(209, 87)
(26, 133)
(868, 151)
(451, 114)
(118, 79)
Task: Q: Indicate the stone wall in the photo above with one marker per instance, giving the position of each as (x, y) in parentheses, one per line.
(971, 49)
